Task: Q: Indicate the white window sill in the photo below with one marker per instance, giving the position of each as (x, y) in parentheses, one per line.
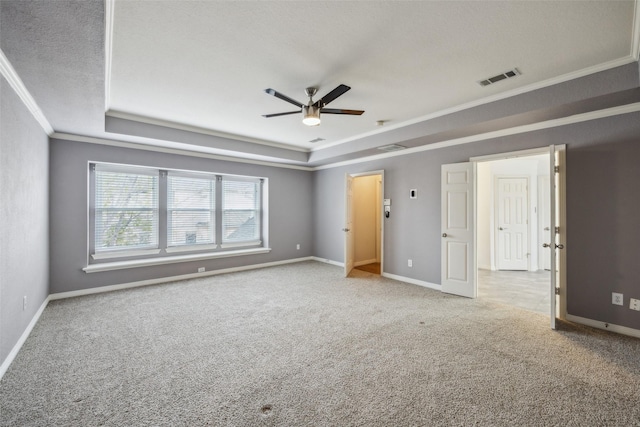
(122, 254)
(189, 248)
(120, 265)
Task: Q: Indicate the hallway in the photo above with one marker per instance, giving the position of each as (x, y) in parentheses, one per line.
(524, 289)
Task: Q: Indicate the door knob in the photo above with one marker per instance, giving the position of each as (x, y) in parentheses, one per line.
(444, 234)
(500, 228)
(560, 246)
(546, 245)
(345, 229)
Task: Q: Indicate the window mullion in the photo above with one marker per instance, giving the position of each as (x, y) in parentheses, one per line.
(163, 217)
(218, 213)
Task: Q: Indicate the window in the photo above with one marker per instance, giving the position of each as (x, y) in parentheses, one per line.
(191, 210)
(240, 211)
(138, 211)
(126, 209)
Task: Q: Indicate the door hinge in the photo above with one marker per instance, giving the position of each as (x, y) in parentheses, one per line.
(557, 229)
(556, 169)
(557, 291)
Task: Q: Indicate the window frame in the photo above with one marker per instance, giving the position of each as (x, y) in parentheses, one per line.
(174, 253)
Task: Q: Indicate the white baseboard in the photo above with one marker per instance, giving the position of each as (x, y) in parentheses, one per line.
(16, 348)
(604, 326)
(413, 281)
(328, 261)
(365, 262)
(110, 288)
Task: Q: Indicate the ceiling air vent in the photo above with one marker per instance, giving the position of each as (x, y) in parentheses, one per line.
(495, 79)
(392, 147)
(316, 140)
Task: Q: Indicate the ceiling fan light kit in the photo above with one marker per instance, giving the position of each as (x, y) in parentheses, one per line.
(310, 115)
(311, 111)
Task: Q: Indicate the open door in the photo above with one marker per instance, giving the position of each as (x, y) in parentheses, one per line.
(458, 270)
(348, 227)
(557, 232)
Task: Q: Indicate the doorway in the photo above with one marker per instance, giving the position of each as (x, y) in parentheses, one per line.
(365, 208)
(462, 201)
(511, 211)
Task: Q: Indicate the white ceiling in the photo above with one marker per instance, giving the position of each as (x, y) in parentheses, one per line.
(206, 63)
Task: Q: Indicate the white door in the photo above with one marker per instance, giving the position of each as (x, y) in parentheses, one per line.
(349, 247)
(557, 233)
(544, 226)
(513, 223)
(458, 269)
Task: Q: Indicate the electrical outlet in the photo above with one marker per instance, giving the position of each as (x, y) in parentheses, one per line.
(200, 269)
(617, 299)
(298, 246)
(410, 263)
(634, 304)
(24, 303)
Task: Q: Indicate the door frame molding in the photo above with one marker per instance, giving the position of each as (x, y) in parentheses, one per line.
(560, 150)
(371, 173)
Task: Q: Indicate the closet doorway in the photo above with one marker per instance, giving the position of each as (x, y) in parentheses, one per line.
(366, 205)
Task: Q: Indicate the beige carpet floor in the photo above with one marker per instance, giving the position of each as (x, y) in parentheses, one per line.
(299, 345)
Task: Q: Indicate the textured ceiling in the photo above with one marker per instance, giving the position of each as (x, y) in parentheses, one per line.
(206, 64)
(161, 70)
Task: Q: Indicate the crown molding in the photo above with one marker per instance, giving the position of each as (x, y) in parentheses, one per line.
(109, 10)
(170, 150)
(9, 73)
(493, 98)
(577, 118)
(635, 35)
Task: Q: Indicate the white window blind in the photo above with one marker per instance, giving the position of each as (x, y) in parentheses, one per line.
(126, 209)
(240, 211)
(191, 210)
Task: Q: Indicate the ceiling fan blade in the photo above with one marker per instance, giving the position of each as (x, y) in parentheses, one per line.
(331, 95)
(341, 111)
(281, 114)
(283, 97)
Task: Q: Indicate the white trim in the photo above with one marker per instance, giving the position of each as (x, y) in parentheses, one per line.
(328, 261)
(413, 281)
(9, 73)
(511, 155)
(109, 11)
(577, 118)
(182, 152)
(16, 348)
(497, 97)
(365, 262)
(635, 35)
(110, 288)
(125, 253)
(120, 265)
(189, 248)
(202, 131)
(605, 326)
(240, 244)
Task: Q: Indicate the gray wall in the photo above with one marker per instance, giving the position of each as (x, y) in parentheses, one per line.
(24, 217)
(290, 202)
(603, 205)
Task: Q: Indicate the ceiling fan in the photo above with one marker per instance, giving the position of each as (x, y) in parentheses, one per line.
(311, 111)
